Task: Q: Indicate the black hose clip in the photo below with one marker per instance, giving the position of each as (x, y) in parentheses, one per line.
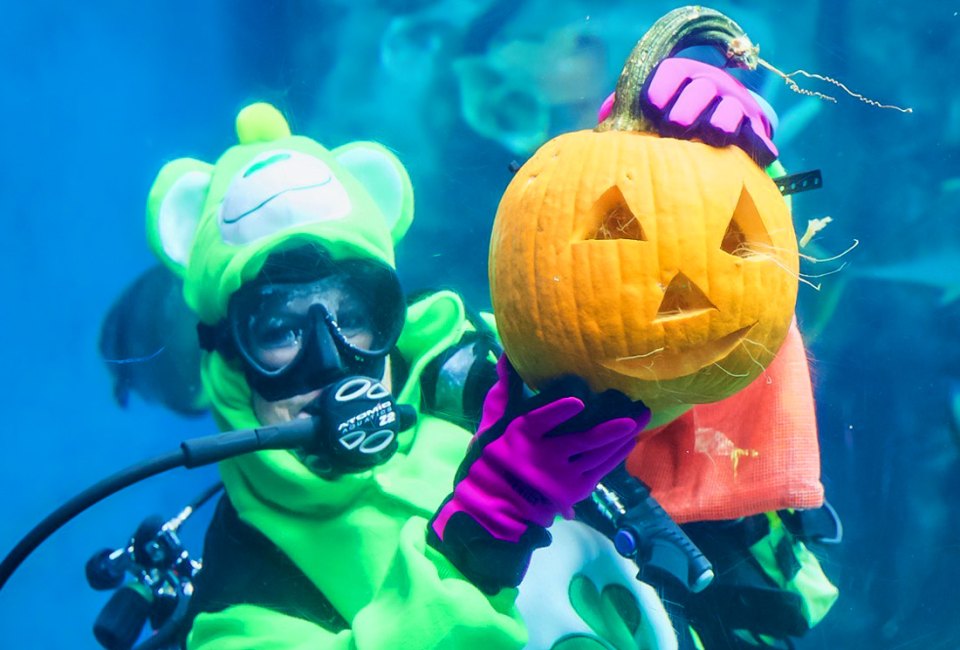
(643, 532)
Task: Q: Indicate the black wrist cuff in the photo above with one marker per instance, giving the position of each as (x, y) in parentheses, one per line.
(491, 564)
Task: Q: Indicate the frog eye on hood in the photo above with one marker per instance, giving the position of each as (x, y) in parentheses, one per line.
(277, 190)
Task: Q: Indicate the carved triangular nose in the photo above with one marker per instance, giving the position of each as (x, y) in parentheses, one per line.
(682, 299)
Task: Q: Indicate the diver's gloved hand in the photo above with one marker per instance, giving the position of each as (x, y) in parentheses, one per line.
(692, 99)
(532, 459)
(359, 422)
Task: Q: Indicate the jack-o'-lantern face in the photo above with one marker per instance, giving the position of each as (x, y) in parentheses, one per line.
(663, 268)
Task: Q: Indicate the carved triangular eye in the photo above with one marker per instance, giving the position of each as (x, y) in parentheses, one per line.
(615, 219)
(745, 235)
(734, 240)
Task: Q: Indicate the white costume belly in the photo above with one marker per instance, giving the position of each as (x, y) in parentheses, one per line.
(580, 588)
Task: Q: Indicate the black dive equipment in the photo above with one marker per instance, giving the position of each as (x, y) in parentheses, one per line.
(162, 573)
(357, 434)
(359, 430)
(642, 531)
(455, 384)
(800, 182)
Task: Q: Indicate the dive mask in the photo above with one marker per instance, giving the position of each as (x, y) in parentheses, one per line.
(298, 336)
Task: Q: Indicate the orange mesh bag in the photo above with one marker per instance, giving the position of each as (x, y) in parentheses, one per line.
(753, 452)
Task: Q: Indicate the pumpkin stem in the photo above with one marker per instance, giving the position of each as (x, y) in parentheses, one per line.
(681, 28)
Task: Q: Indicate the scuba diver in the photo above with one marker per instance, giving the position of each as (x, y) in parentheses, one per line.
(285, 250)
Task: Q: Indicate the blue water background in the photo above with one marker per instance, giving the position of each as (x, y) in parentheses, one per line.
(97, 96)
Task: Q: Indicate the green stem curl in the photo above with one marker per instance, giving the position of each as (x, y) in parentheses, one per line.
(681, 28)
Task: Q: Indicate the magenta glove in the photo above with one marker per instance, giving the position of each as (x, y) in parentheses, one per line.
(532, 459)
(691, 99)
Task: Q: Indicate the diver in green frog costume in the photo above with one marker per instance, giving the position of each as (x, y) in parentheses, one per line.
(286, 253)
(355, 543)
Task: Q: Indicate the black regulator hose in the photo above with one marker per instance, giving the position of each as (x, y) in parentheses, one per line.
(195, 452)
(354, 428)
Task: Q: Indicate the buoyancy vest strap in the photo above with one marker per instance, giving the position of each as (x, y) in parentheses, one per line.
(242, 566)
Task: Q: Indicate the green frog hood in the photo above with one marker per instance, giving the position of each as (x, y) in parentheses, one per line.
(216, 224)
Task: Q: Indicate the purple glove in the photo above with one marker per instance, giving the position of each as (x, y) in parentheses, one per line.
(692, 99)
(532, 459)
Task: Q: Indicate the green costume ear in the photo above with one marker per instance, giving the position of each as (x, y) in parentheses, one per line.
(384, 178)
(174, 208)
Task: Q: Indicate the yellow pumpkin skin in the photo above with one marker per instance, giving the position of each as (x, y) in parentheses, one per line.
(663, 268)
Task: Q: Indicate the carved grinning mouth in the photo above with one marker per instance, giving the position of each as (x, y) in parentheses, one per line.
(670, 364)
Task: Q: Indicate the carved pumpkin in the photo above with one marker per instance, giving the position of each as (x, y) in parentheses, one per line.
(666, 269)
